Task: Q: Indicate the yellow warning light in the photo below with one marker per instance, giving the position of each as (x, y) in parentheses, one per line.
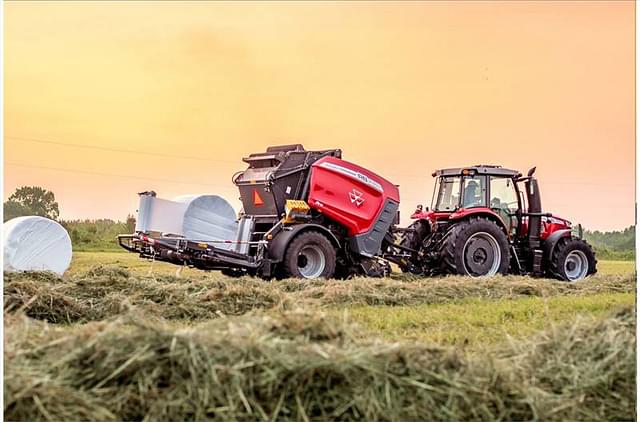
(203, 245)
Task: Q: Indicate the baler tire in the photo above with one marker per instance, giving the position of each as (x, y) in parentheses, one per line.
(572, 247)
(453, 245)
(310, 245)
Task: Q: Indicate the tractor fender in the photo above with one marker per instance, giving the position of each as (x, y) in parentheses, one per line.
(278, 245)
(551, 241)
(480, 212)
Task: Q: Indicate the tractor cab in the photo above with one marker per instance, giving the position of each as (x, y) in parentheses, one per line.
(469, 190)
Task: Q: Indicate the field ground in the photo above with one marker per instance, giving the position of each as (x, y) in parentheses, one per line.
(82, 261)
(472, 322)
(121, 338)
(616, 267)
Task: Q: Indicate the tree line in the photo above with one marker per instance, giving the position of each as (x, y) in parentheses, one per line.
(615, 245)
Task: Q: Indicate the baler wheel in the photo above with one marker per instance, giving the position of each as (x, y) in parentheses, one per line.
(572, 259)
(476, 247)
(310, 255)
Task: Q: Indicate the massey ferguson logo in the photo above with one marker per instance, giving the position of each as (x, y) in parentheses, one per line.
(356, 197)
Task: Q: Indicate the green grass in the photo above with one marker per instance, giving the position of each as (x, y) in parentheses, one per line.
(477, 323)
(84, 261)
(616, 267)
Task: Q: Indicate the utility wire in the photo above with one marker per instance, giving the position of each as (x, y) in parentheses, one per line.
(128, 151)
(112, 175)
(188, 157)
(67, 170)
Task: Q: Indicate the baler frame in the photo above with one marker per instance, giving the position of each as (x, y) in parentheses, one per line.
(193, 253)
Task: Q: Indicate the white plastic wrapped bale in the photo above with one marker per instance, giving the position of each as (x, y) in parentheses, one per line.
(196, 217)
(207, 218)
(35, 244)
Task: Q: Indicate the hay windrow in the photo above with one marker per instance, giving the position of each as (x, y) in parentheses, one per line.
(104, 292)
(300, 365)
(581, 367)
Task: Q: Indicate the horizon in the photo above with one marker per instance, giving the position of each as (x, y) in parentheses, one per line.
(104, 100)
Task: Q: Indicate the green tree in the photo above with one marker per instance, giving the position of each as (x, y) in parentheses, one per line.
(13, 209)
(31, 200)
(618, 244)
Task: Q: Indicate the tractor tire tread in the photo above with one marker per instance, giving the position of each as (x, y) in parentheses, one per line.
(560, 252)
(450, 251)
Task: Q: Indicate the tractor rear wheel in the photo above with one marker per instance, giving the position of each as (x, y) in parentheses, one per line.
(572, 259)
(476, 247)
(310, 255)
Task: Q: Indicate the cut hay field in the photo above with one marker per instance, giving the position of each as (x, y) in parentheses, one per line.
(120, 338)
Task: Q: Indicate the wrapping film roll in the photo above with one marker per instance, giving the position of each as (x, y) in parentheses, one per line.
(35, 244)
(196, 217)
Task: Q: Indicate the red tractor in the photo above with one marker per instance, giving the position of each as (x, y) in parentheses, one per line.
(481, 224)
(311, 214)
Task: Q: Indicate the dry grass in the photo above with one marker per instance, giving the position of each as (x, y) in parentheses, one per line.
(295, 365)
(106, 291)
(152, 346)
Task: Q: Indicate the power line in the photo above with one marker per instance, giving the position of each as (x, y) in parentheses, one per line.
(188, 157)
(128, 151)
(113, 175)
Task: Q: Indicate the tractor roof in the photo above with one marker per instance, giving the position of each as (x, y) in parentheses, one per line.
(478, 169)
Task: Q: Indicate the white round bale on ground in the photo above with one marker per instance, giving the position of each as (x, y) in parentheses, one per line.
(208, 217)
(35, 244)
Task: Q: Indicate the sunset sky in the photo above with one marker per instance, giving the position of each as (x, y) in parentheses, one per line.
(104, 100)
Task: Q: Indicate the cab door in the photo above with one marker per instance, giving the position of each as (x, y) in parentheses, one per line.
(504, 201)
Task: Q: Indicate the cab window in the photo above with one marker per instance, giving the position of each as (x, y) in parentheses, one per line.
(503, 194)
(448, 193)
(474, 192)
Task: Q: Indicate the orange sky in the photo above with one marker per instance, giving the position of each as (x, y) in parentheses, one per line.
(402, 88)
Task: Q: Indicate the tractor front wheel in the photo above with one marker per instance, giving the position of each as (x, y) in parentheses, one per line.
(310, 255)
(476, 247)
(572, 259)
